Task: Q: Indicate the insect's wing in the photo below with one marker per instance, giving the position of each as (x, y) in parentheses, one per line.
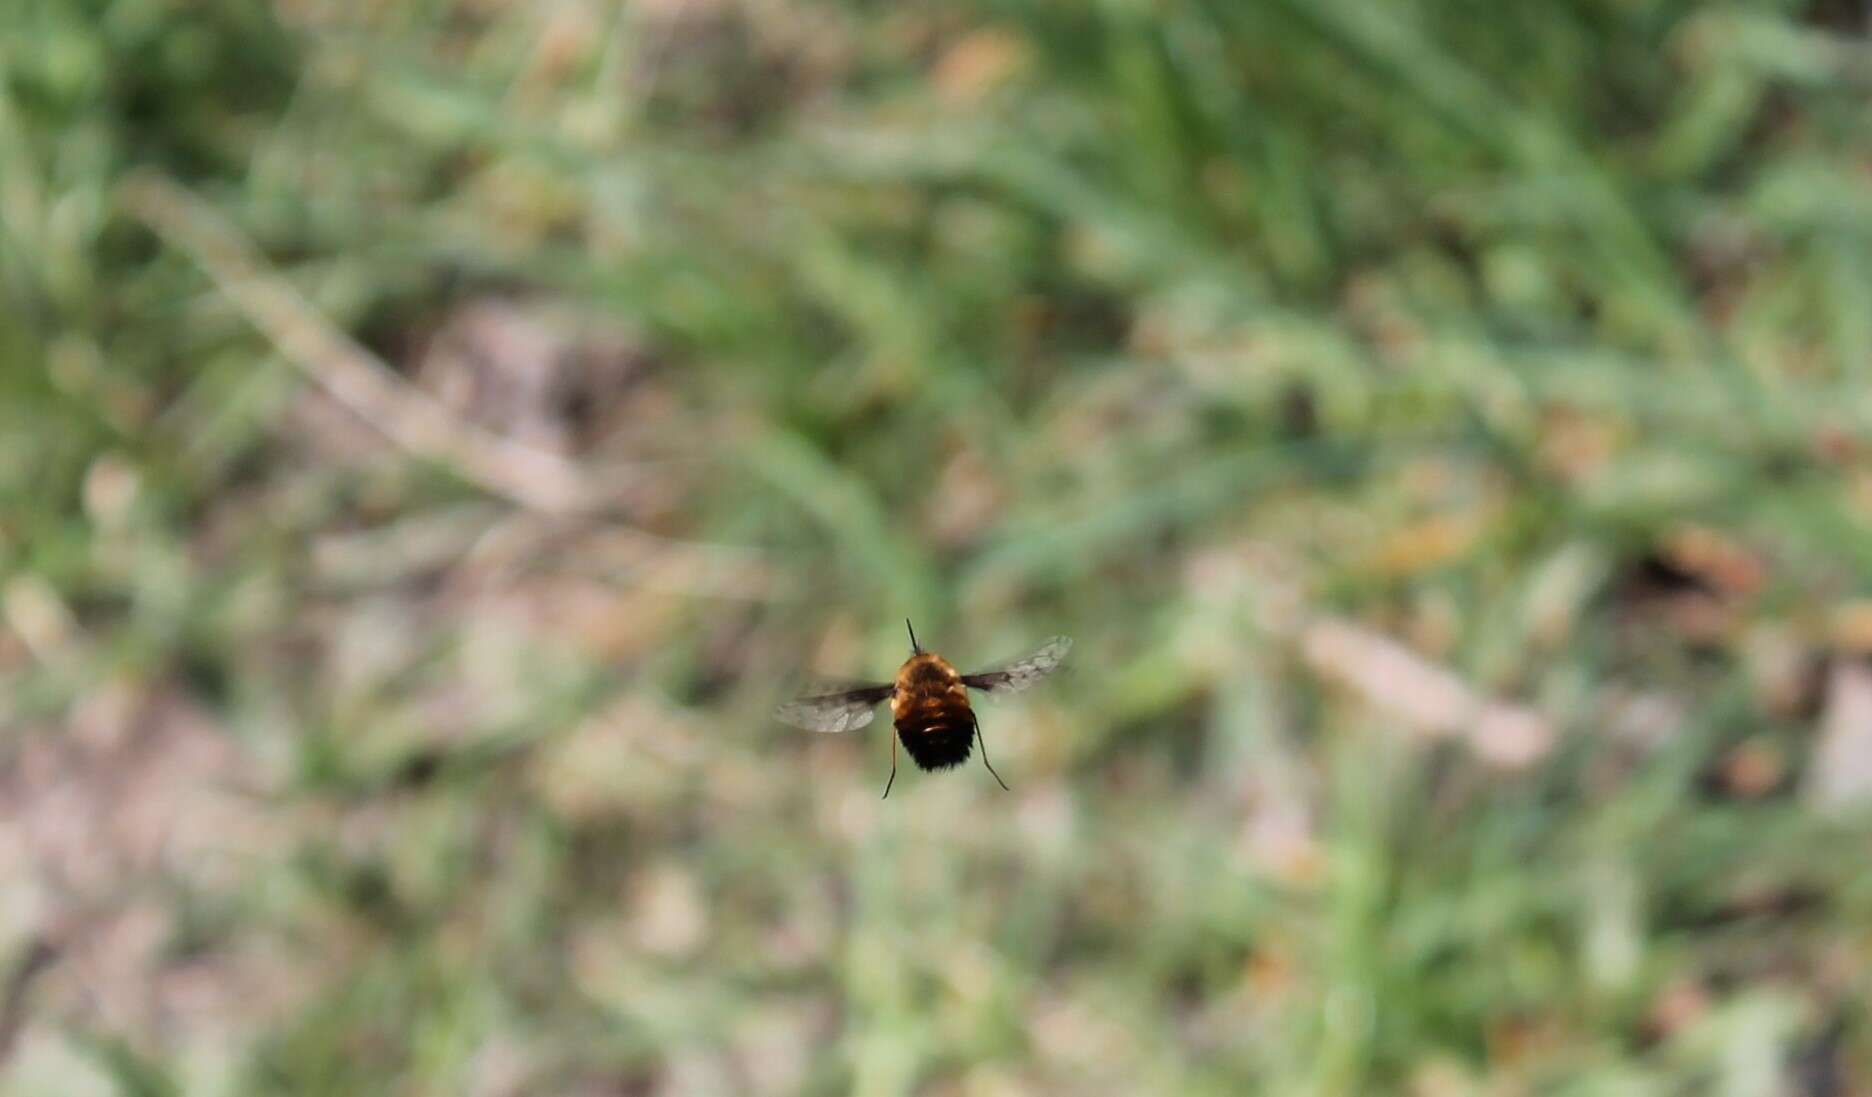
(842, 710)
(1022, 673)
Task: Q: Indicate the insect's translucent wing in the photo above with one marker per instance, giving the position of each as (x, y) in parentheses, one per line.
(844, 710)
(1022, 673)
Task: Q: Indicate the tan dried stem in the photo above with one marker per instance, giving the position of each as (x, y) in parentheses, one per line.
(351, 374)
(539, 481)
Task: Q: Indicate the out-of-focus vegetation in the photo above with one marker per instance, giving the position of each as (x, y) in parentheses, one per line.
(1444, 426)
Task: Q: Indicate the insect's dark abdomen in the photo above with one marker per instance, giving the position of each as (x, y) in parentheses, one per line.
(937, 736)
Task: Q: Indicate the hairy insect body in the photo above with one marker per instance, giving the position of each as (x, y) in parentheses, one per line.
(930, 707)
(929, 704)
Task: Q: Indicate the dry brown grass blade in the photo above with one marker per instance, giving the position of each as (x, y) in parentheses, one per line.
(1840, 777)
(1430, 699)
(355, 377)
(537, 480)
(525, 543)
(34, 959)
(1423, 697)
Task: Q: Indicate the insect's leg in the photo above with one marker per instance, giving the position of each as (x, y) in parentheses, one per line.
(893, 776)
(984, 750)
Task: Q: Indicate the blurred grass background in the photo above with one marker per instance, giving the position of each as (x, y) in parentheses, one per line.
(1443, 426)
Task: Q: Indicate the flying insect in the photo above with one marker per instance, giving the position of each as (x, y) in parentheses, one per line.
(929, 704)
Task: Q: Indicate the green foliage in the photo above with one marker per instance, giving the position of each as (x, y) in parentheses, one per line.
(1536, 336)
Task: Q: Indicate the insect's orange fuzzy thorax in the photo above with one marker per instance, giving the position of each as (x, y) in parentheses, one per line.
(924, 679)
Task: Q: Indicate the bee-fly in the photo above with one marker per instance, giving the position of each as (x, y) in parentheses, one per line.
(929, 704)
